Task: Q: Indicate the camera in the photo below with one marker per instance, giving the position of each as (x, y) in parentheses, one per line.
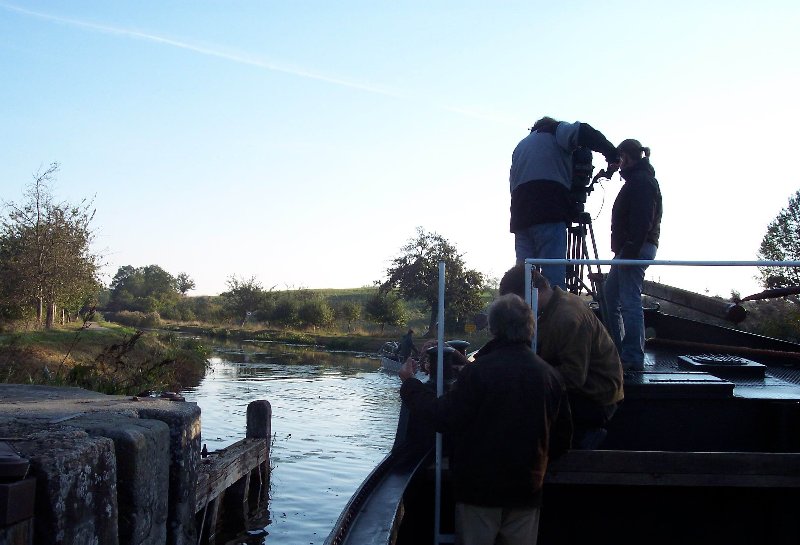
(582, 169)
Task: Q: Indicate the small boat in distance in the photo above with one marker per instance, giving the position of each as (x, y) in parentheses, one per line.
(390, 362)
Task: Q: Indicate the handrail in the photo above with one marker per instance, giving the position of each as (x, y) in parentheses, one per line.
(649, 262)
(532, 294)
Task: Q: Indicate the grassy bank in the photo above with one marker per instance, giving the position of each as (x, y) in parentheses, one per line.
(116, 359)
(107, 358)
(331, 340)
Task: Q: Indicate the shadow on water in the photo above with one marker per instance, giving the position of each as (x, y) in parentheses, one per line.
(334, 418)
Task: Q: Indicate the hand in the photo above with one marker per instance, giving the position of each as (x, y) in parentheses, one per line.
(611, 169)
(407, 369)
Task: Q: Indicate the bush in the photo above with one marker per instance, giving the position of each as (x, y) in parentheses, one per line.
(152, 319)
(132, 318)
(286, 312)
(315, 312)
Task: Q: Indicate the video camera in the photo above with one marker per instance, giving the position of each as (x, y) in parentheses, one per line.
(582, 183)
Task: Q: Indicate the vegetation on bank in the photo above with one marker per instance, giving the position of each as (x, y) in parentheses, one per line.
(49, 292)
(103, 357)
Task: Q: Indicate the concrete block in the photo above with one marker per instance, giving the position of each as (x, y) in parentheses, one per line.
(76, 486)
(141, 448)
(183, 420)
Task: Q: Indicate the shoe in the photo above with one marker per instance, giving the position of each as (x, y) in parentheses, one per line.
(630, 367)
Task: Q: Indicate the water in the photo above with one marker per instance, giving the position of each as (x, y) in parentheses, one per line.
(333, 417)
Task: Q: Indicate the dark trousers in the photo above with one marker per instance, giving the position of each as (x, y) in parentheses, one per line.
(589, 420)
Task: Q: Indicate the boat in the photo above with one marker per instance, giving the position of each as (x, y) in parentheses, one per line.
(390, 362)
(704, 449)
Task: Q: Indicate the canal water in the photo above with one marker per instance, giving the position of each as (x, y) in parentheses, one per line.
(334, 416)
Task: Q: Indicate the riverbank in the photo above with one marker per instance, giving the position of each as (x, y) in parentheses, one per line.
(104, 357)
(328, 340)
(116, 359)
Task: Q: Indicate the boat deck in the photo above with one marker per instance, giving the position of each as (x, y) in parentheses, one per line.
(668, 367)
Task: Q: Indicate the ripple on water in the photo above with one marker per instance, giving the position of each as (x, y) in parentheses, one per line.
(333, 419)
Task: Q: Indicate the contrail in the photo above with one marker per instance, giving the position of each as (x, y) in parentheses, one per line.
(251, 61)
(241, 59)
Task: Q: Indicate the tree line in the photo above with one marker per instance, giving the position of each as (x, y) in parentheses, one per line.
(142, 296)
(49, 273)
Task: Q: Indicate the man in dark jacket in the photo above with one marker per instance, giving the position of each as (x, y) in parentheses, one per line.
(541, 179)
(506, 416)
(635, 229)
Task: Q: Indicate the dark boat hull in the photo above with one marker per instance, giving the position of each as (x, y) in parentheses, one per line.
(690, 457)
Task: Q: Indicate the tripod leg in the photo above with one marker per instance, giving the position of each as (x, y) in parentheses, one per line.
(598, 282)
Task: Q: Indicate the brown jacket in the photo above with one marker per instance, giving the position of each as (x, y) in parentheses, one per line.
(573, 340)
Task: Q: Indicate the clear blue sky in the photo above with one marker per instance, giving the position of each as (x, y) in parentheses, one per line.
(303, 142)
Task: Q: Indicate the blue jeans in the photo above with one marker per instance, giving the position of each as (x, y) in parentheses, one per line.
(548, 241)
(623, 297)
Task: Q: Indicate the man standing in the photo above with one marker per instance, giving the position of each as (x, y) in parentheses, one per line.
(541, 179)
(407, 347)
(506, 416)
(573, 340)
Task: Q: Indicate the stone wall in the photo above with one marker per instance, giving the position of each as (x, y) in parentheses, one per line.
(109, 469)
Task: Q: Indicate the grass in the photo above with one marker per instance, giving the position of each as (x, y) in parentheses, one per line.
(113, 359)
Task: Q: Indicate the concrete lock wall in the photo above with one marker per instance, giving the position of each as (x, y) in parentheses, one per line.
(109, 469)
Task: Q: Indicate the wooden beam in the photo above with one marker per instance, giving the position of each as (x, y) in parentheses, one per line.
(656, 468)
(225, 467)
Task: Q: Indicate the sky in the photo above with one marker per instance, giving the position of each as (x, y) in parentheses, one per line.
(302, 143)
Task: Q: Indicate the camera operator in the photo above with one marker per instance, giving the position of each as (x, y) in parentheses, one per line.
(541, 179)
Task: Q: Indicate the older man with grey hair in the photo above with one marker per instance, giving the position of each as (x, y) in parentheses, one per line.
(506, 416)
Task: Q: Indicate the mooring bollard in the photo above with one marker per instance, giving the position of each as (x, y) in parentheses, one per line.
(259, 426)
(259, 420)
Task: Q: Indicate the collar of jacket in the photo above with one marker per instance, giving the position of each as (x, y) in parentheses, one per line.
(496, 344)
(555, 298)
(642, 164)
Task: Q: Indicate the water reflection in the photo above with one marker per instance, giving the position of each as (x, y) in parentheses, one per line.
(334, 417)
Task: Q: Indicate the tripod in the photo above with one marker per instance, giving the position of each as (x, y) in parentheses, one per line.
(577, 248)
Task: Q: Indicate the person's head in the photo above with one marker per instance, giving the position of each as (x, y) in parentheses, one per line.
(630, 151)
(514, 281)
(410, 331)
(510, 318)
(545, 124)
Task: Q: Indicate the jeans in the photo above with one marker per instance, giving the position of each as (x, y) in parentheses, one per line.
(544, 240)
(623, 296)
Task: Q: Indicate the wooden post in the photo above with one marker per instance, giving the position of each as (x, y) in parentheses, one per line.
(259, 421)
(259, 426)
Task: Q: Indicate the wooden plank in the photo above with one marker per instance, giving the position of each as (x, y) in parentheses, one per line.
(224, 468)
(656, 468)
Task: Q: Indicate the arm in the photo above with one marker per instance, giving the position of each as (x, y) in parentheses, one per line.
(448, 412)
(593, 139)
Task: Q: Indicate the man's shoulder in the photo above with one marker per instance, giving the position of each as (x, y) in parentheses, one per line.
(568, 306)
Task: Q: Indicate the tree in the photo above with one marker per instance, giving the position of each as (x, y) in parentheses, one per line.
(46, 251)
(184, 283)
(349, 311)
(244, 295)
(782, 243)
(146, 289)
(415, 274)
(385, 307)
(315, 312)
